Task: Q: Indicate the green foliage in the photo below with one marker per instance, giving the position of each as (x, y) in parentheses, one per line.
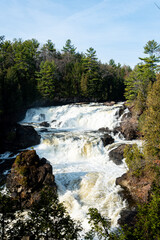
(6, 214)
(151, 122)
(48, 219)
(46, 79)
(91, 79)
(138, 82)
(69, 48)
(137, 86)
(152, 48)
(134, 159)
(99, 225)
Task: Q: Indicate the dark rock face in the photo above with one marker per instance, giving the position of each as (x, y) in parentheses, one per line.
(128, 216)
(44, 124)
(29, 175)
(21, 137)
(107, 139)
(116, 155)
(26, 136)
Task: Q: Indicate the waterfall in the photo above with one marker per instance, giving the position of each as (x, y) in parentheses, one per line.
(84, 174)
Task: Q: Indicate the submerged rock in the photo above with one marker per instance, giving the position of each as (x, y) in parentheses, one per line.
(29, 175)
(107, 139)
(44, 124)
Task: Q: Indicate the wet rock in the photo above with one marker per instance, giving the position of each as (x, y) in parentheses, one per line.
(116, 155)
(107, 139)
(120, 111)
(20, 137)
(103, 130)
(116, 130)
(26, 136)
(44, 124)
(29, 175)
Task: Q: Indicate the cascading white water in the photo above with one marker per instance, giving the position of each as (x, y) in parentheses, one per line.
(84, 174)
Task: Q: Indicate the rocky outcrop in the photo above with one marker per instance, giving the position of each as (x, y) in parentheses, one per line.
(107, 139)
(128, 128)
(136, 189)
(29, 175)
(21, 137)
(116, 155)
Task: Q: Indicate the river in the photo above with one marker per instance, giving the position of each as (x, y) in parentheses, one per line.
(71, 142)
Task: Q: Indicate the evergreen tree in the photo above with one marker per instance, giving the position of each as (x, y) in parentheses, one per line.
(48, 51)
(48, 219)
(91, 73)
(25, 56)
(46, 79)
(69, 48)
(151, 123)
(100, 226)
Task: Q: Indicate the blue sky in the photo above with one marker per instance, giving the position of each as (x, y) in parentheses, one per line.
(116, 29)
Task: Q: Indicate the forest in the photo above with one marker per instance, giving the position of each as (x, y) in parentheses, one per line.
(32, 75)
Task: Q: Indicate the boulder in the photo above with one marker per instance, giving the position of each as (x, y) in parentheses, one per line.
(107, 139)
(26, 136)
(116, 155)
(29, 176)
(44, 124)
(20, 137)
(128, 128)
(104, 130)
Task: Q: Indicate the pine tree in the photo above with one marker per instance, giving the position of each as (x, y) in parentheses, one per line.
(151, 124)
(47, 79)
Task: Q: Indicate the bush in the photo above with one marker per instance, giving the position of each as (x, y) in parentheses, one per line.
(134, 159)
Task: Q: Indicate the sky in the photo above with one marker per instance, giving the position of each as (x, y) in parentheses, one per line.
(116, 29)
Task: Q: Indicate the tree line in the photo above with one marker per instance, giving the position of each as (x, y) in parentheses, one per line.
(29, 72)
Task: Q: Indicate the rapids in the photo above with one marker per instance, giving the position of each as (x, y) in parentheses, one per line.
(84, 174)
